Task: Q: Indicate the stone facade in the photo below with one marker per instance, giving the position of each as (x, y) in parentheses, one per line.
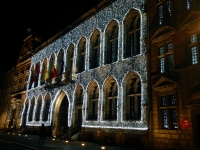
(175, 73)
(127, 75)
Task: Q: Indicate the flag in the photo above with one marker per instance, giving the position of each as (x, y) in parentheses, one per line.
(53, 71)
(37, 69)
(45, 75)
(33, 78)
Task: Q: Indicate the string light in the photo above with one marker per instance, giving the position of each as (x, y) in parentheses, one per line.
(138, 65)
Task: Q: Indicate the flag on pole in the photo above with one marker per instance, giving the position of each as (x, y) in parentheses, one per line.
(37, 69)
(33, 78)
(53, 71)
(45, 75)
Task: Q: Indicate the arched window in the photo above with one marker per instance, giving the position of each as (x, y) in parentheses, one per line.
(164, 11)
(32, 78)
(78, 104)
(110, 103)
(93, 95)
(70, 56)
(30, 118)
(37, 72)
(95, 50)
(38, 108)
(132, 35)
(52, 69)
(111, 43)
(60, 64)
(45, 74)
(81, 55)
(46, 107)
(133, 98)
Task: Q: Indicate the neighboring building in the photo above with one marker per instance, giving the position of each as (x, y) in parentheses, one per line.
(5, 90)
(14, 84)
(175, 64)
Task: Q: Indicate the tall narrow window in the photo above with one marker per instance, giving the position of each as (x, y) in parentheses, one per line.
(30, 118)
(81, 56)
(165, 58)
(133, 101)
(112, 44)
(132, 36)
(194, 51)
(95, 51)
(38, 109)
(70, 56)
(46, 107)
(93, 103)
(111, 102)
(164, 11)
(168, 111)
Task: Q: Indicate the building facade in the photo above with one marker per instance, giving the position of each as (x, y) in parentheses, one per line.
(174, 28)
(126, 74)
(94, 76)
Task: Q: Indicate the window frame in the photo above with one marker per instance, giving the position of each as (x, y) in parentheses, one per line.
(165, 14)
(190, 45)
(165, 55)
(132, 48)
(168, 107)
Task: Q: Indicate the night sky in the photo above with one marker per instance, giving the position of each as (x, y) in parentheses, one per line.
(45, 19)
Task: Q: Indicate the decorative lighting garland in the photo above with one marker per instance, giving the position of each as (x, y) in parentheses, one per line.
(73, 37)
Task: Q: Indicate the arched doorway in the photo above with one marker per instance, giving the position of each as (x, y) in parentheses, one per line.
(63, 117)
(24, 119)
(60, 121)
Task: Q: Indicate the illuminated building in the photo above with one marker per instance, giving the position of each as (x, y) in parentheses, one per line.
(94, 76)
(126, 73)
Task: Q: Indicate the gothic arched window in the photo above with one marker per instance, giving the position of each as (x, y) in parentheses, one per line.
(132, 31)
(93, 95)
(70, 56)
(132, 109)
(110, 104)
(81, 55)
(95, 50)
(111, 43)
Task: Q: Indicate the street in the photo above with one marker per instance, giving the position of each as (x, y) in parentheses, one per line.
(27, 142)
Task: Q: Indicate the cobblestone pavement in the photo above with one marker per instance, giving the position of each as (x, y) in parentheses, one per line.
(31, 142)
(4, 145)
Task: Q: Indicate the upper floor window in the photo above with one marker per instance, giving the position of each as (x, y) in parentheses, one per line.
(70, 56)
(193, 49)
(164, 11)
(112, 43)
(168, 111)
(81, 56)
(189, 3)
(95, 50)
(132, 36)
(165, 58)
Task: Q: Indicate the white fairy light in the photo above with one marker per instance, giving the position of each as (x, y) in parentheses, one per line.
(47, 52)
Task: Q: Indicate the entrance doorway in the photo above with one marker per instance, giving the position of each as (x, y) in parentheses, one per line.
(62, 122)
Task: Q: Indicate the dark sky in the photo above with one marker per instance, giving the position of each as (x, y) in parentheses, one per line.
(45, 19)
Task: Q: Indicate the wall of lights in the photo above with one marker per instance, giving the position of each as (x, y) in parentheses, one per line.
(118, 11)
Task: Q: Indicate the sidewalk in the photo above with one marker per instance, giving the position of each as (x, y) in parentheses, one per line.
(31, 142)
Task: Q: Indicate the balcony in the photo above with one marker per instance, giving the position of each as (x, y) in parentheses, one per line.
(58, 81)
